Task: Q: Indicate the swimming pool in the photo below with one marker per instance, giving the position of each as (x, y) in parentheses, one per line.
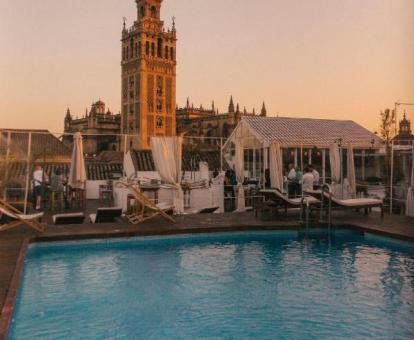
(268, 285)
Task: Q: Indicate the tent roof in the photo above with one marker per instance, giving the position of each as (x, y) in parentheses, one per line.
(307, 132)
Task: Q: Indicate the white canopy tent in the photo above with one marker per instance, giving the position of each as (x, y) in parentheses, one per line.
(299, 136)
(404, 153)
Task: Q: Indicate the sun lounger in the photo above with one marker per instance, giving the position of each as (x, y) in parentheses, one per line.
(73, 218)
(355, 203)
(276, 196)
(146, 209)
(210, 210)
(275, 200)
(105, 215)
(16, 218)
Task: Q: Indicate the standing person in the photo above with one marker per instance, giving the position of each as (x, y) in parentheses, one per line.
(39, 179)
(298, 181)
(56, 187)
(316, 177)
(291, 180)
(307, 180)
(228, 191)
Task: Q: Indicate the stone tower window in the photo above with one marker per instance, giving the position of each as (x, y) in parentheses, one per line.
(159, 105)
(159, 123)
(160, 89)
(142, 11)
(153, 49)
(166, 52)
(172, 53)
(147, 48)
(153, 12)
(159, 48)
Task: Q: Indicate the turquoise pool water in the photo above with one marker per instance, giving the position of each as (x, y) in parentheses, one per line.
(267, 285)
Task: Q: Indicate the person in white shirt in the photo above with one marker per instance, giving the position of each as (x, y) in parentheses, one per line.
(39, 177)
(292, 172)
(316, 176)
(292, 184)
(307, 180)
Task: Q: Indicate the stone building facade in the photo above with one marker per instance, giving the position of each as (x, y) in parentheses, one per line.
(405, 135)
(148, 76)
(209, 123)
(100, 129)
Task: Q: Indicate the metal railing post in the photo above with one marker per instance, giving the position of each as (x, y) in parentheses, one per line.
(221, 154)
(26, 191)
(6, 170)
(392, 177)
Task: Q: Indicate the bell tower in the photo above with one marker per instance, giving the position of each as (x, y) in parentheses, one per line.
(148, 76)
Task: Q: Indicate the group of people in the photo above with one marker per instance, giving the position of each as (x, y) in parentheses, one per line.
(298, 182)
(41, 179)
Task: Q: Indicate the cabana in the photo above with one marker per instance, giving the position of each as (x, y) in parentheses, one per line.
(303, 141)
(402, 177)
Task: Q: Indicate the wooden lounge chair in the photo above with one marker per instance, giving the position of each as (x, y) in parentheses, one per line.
(17, 218)
(146, 209)
(355, 203)
(275, 199)
(105, 215)
(71, 218)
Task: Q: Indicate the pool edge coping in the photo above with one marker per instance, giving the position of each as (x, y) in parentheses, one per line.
(7, 311)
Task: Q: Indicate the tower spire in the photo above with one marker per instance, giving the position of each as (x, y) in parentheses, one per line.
(263, 113)
(231, 105)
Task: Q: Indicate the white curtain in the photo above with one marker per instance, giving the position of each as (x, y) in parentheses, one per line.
(410, 194)
(351, 173)
(239, 169)
(204, 172)
(167, 154)
(276, 166)
(335, 160)
(77, 173)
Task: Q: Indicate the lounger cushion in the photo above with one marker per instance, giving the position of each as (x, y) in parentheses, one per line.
(73, 218)
(31, 217)
(105, 215)
(202, 211)
(291, 201)
(358, 202)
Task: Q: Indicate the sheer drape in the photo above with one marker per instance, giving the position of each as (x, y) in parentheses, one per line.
(351, 173)
(276, 166)
(167, 154)
(239, 168)
(77, 173)
(335, 161)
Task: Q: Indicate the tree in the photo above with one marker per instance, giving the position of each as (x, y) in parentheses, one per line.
(387, 126)
(387, 133)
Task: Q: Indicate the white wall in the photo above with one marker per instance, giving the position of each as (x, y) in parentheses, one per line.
(92, 189)
(129, 169)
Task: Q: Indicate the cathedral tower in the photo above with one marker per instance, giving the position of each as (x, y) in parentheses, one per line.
(148, 76)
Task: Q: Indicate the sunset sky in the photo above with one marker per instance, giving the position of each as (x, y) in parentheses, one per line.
(341, 59)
